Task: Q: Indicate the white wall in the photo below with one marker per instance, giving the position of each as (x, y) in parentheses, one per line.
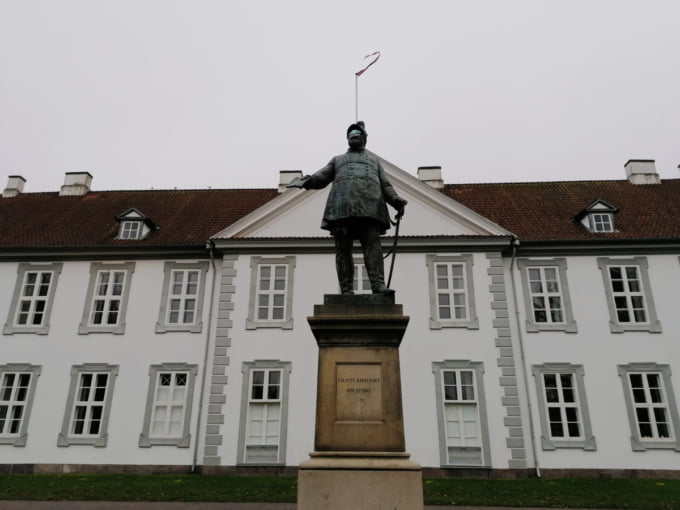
(600, 351)
(314, 277)
(133, 351)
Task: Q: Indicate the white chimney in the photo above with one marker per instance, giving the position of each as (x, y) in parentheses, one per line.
(286, 177)
(15, 186)
(76, 183)
(431, 175)
(642, 171)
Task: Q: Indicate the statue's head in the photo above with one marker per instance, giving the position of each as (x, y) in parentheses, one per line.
(356, 135)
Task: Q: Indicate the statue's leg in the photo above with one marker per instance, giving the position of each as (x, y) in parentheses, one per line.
(344, 263)
(369, 235)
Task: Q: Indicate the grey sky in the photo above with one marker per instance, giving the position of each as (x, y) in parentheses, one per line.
(198, 93)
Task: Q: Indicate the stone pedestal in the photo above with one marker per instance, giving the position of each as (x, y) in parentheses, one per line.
(359, 460)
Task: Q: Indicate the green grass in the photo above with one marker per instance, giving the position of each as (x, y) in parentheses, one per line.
(557, 493)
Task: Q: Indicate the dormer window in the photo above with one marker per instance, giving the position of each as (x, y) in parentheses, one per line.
(131, 230)
(134, 225)
(598, 217)
(602, 222)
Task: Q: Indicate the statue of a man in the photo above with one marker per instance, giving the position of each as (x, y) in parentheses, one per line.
(356, 208)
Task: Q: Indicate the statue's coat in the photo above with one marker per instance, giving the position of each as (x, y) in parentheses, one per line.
(360, 189)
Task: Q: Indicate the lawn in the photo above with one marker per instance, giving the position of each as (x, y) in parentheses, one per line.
(557, 493)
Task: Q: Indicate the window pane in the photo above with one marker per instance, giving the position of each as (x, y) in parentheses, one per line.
(95, 419)
(78, 420)
(177, 279)
(636, 380)
(119, 279)
(192, 283)
(273, 392)
(15, 419)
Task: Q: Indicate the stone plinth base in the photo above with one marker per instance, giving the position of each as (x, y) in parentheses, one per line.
(359, 481)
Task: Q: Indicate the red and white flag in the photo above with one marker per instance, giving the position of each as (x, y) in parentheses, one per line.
(369, 60)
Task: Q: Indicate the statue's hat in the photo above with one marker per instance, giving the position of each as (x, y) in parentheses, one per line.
(360, 126)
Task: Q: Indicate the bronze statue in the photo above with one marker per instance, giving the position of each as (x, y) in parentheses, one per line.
(356, 208)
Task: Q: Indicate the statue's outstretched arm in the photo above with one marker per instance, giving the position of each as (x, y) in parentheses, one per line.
(317, 180)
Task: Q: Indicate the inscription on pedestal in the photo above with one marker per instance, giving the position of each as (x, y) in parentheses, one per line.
(358, 392)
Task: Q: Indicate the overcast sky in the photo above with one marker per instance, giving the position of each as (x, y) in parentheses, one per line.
(224, 94)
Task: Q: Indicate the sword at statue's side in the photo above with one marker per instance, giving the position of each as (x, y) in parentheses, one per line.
(393, 250)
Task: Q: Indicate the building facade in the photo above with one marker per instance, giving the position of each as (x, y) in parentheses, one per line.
(166, 330)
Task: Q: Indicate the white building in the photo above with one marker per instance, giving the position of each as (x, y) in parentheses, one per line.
(166, 330)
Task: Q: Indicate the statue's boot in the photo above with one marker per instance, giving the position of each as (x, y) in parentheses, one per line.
(375, 267)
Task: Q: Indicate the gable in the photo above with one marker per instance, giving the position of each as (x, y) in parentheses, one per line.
(297, 213)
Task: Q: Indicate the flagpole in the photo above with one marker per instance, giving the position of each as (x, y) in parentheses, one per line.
(356, 98)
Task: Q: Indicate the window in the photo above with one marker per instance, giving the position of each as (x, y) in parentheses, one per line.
(361, 283)
(546, 295)
(562, 405)
(182, 300)
(134, 225)
(167, 418)
(651, 405)
(461, 413)
(264, 412)
(629, 296)
(86, 417)
(271, 293)
(17, 389)
(602, 222)
(107, 297)
(452, 298)
(32, 300)
(131, 230)
(598, 217)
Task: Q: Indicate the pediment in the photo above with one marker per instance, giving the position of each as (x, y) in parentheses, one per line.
(297, 213)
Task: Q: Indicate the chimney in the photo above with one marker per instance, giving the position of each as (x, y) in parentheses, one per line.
(15, 186)
(76, 183)
(642, 171)
(431, 175)
(286, 177)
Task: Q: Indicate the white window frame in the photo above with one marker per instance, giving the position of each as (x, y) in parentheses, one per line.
(158, 376)
(11, 400)
(562, 401)
(257, 293)
(478, 401)
(88, 401)
(664, 399)
(251, 456)
(465, 261)
(170, 270)
(97, 269)
(361, 283)
(559, 265)
(21, 287)
(601, 222)
(651, 324)
(131, 229)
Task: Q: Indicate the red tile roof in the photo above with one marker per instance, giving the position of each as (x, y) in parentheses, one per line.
(184, 217)
(545, 211)
(538, 211)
